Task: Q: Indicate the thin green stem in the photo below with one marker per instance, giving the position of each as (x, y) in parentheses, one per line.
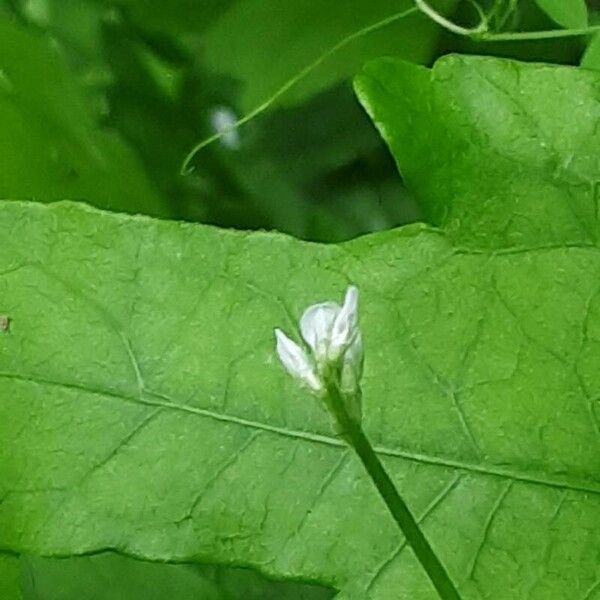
(355, 437)
(512, 7)
(293, 81)
(435, 16)
(511, 36)
(481, 32)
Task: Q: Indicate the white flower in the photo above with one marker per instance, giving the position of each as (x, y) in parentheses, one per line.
(332, 334)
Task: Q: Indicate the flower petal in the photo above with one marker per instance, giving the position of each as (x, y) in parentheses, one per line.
(352, 366)
(316, 324)
(345, 326)
(296, 362)
(292, 356)
(355, 354)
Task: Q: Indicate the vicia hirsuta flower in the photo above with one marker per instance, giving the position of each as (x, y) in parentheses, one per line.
(335, 356)
(331, 367)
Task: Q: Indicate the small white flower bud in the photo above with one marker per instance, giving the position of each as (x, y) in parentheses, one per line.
(332, 334)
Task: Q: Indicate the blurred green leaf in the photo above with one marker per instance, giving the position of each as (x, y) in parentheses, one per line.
(76, 23)
(175, 16)
(51, 145)
(567, 13)
(264, 43)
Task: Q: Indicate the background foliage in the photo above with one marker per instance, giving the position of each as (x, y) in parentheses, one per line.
(102, 100)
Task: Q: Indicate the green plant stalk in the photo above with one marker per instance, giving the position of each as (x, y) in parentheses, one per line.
(353, 434)
(481, 33)
(533, 35)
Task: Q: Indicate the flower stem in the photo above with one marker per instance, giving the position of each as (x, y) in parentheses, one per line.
(354, 435)
(515, 36)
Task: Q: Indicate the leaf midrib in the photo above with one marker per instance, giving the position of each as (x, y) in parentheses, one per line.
(158, 400)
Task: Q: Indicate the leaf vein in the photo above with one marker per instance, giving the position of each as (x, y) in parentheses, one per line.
(430, 508)
(488, 526)
(154, 399)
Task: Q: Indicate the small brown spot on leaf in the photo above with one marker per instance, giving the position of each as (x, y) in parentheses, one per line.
(4, 323)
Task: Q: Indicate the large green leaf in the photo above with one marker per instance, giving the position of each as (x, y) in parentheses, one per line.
(144, 410)
(10, 577)
(481, 143)
(264, 43)
(51, 147)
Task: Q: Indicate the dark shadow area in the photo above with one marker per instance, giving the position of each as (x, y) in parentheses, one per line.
(111, 576)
